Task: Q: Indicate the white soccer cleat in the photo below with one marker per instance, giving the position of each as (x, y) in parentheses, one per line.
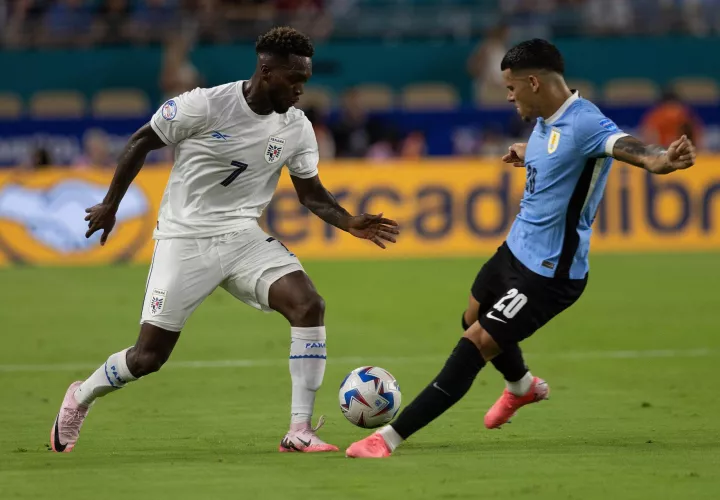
(302, 438)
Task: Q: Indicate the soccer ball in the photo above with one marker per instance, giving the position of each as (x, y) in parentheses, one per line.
(369, 397)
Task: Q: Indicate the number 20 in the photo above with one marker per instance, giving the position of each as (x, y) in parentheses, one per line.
(511, 309)
(531, 175)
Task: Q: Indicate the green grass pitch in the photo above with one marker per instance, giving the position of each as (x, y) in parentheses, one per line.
(633, 367)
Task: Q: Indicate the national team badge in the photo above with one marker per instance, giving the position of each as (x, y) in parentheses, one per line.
(157, 301)
(554, 141)
(169, 110)
(274, 149)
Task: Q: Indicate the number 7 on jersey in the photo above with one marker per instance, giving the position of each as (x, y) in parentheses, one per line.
(240, 168)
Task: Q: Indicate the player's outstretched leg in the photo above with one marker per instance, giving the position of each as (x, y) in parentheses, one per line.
(152, 349)
(450, 385)
(521, 386)
(295, 297)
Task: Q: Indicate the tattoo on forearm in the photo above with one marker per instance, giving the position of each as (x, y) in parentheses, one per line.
(635, 152)
(325, 206)
(655, 150)
(634, 147)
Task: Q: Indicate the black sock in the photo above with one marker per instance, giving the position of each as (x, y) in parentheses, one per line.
(451, 384)
(510, 362)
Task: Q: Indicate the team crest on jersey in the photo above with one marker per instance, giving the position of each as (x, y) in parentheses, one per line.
(274, 149)
(554, 141)
(157, 301)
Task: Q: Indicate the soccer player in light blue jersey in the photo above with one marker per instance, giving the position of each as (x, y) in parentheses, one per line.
(542, 268)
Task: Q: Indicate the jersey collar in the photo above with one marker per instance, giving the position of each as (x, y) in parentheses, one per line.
(561, 111)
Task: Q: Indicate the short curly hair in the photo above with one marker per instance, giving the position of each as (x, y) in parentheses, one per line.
(285, 41)
(534, 54)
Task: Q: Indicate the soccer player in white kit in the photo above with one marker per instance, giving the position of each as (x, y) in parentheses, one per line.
(231, 143)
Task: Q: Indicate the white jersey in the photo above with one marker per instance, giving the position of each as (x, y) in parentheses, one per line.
(228, 160)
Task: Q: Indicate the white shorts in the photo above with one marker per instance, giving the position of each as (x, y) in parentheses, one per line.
(185, 271)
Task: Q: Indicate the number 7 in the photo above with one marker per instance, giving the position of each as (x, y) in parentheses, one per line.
(241, 167)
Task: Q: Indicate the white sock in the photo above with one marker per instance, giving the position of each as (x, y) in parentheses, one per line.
(522, 386)
(391, 437)
(111, 376)
(307, 368)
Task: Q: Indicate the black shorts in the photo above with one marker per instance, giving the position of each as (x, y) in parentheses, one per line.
(515, 301)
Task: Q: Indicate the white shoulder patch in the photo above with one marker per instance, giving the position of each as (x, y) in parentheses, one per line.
(169, 110)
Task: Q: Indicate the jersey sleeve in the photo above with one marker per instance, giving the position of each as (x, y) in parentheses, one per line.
(595, 135)
(304, 161)
(181, 117)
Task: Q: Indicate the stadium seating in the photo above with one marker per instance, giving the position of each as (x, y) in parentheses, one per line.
(429, 96)
(697, 90)
(316, 97)
(128, 102)
(58, 104)
(635, 91)
(585, 88)
(11, 106)
(375, 97)
(490, 96)
(120, 103)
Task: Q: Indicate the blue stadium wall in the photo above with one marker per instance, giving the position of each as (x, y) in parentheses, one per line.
(339, 65)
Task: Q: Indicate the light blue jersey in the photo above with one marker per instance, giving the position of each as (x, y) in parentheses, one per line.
(567, 162)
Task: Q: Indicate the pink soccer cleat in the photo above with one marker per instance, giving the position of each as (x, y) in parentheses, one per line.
(302, 438)
(66, 429)
(506, 406)
(373, 446)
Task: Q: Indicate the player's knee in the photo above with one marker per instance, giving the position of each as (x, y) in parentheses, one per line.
(308, 311)
(143, 362)
(483, 341)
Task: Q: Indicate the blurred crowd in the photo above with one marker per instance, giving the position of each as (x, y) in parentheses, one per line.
(349, 131)
(616, 17)
(80, 23)
(28, 23)
(353, 133)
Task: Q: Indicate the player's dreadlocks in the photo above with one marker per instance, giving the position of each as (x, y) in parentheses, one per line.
(284, 41)
(534, 54)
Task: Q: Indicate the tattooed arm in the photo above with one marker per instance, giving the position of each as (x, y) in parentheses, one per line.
(313, 195)
(656, 159)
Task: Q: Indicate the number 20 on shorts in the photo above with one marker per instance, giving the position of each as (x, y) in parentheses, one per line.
(516, 302)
